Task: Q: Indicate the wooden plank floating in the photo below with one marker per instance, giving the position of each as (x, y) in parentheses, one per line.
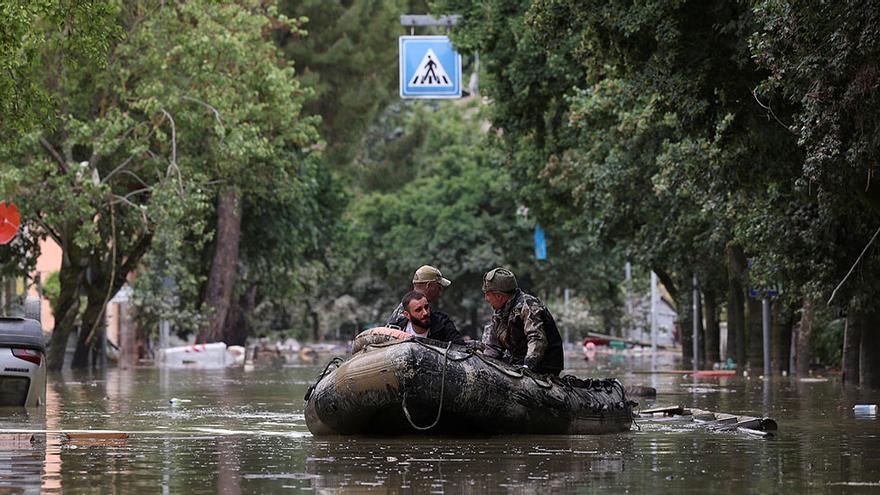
(714, 421)
(96, 435)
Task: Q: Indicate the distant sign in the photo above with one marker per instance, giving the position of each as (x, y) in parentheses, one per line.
(769, 292)
(540, 244)
(758, 293)
(429, 68)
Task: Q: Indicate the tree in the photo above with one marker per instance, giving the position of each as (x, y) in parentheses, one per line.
(33, 32)
(639, 123)
(230, 81)
(349, 60)
(192, 100)
(822, 62)
(455, 210)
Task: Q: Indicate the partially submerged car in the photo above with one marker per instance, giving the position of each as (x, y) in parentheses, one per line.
(22, 363)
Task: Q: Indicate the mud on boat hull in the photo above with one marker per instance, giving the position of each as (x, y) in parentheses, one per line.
(372, 392)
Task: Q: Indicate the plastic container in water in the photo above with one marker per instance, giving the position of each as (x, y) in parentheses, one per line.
(865, 410)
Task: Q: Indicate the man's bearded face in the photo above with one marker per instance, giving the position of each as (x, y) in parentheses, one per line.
(419, 312)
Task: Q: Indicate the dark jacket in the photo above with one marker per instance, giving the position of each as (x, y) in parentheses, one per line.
(524, 333)
(442, 327)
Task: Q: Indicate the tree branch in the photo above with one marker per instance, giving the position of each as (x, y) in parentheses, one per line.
(767, 107)
(120, 199)
(204, 104)
(173, 164)
(54, 235)
(54, 153)
(853, 267)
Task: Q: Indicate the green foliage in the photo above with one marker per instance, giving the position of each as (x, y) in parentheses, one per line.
(195, 98)
(827, 337)
(349, 59)
(822, 63)
(52, 288)
(72, 32)
(456, 211)
(237, 108)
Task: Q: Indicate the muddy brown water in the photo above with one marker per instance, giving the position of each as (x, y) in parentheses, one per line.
(235, 431)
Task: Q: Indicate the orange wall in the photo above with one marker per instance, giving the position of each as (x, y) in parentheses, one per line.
(48, 262)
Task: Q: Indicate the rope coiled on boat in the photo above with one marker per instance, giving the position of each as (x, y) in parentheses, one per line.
(442, 389)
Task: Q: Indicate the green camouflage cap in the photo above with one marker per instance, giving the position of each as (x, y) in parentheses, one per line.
(499, 280)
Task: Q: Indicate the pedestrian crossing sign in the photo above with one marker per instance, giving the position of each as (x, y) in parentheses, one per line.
(429, 68)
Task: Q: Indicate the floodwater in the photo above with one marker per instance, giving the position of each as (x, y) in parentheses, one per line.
(235, 431)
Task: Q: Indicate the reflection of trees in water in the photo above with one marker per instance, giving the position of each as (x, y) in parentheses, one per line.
(420, 465)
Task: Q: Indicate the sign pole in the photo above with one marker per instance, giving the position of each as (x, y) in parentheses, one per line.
(654, 304)
(765, 320)
(696, 339)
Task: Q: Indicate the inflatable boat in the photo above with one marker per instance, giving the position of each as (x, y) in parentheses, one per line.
(396, 384)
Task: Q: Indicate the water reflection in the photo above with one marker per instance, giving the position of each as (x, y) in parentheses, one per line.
(419, 465)
(230, 431)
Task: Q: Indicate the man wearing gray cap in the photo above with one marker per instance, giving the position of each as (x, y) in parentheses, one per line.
(522, 331)
(430, 282)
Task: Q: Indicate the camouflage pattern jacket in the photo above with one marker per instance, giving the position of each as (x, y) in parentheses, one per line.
(523, 332)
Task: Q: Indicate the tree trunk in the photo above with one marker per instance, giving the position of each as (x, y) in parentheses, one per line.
(756, 333)
(221, 280)
(736, 315)
(869, 350)
(852, 342)
(686, 325)
(236, 329)
(65, 310)
(782, 325)
(108, 274)
(802, 348)
(712, 342)
(91, 331)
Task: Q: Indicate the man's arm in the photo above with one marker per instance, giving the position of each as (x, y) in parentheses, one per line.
(494, 349)
(396, 315)
(533, 326)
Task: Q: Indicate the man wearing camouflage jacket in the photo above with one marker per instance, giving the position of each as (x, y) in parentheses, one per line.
(522, 331)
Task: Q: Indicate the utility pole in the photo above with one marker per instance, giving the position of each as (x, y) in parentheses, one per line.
(654, 308)
(765, 320)
(696, 338)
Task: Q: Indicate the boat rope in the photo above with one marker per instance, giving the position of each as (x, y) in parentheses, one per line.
(439, 407)
(333, 362)
(638, 426)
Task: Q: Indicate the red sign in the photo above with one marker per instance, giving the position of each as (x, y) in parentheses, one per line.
(9, 222)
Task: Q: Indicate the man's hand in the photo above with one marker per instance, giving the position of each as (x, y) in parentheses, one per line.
(530, 363)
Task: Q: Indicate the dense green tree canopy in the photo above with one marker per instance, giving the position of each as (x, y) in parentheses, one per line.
(35, 33)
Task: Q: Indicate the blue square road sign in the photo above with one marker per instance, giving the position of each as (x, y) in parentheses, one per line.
(429, 68)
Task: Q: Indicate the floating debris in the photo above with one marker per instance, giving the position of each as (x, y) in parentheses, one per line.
(715, 421)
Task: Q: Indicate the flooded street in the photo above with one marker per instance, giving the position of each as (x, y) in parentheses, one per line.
(232, 431)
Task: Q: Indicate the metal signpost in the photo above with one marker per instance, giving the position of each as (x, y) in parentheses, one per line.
(696, 338)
